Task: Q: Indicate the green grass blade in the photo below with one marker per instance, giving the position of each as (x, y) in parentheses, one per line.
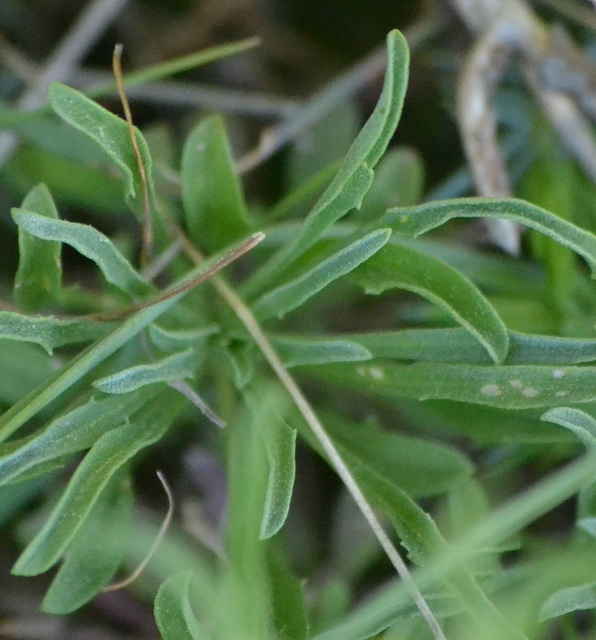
(39, 277)
(404, 268)
(416, 220)
(287, 297)
(89, 242)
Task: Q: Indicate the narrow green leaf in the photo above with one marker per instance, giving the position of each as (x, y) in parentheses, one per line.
(301, 350)
(173, 613)
(93, 190)
(95, 553)
(511, 387)
(214, 207)
(48, 331)
(579, 422)
(417, 220)
(74, 431)
(355, 175)
(457, 345)
(89, 242)
(567, 600)
(290, 615)
(111, 133)
(175, 339)
(107, 456)
(175, 367)
(291, 295)
(405, 268)
(399, 180)
(39, 277)
(19, 413)
(29, 367)
(280, 445)
(419, 467)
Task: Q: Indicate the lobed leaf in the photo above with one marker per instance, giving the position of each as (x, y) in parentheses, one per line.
(293, 294)
(354, 177)
(417, 220)
(49, 332)
(89, 242)
(173, 613)
(510, 387)
(405, 268)
(95, 552)
(214, 208)
(39, 277)
(175, 367)
(107, 456)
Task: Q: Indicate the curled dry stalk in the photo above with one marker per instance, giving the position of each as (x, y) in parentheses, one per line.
(559, 74)
(251, 324)
(115, 586)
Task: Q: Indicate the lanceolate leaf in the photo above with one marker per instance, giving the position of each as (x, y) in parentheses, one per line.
(419, 467)
(176, 367)
(39, 276)
(214, 208)
(568, 600)
(355, 175)
(280, 445)
(110, 132)
(48, 331)
(511, 387)
(95, 552)
(406, 268)
(74, 431)
(416, 220)
(291, 295)
(301, 350)
(19, 413)
(580, 423)
(457, 345)
(173, 613)
(89, 242)
(109, 454)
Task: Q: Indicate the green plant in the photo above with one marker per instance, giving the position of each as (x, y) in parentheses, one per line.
(485, 363)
